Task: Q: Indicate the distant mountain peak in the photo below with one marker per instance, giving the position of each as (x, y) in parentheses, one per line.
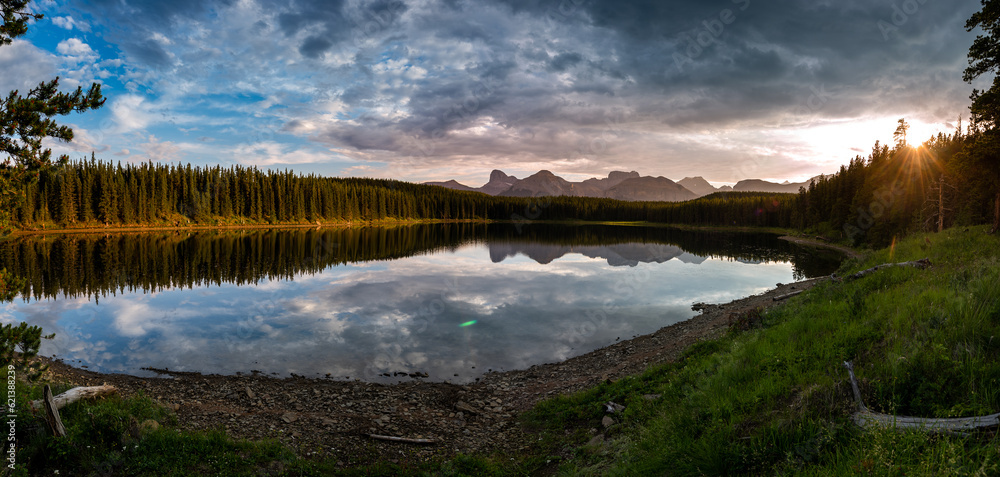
(498, 175)
(622, 175)
(758, 185)
(650, 188)
(450, 184)
(619, 185)
(698, 185)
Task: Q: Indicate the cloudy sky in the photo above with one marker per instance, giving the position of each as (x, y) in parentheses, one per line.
(438, 89)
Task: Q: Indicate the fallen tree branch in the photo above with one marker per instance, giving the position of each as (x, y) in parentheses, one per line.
(76, 394)
(854, 386)
(868, 420)
(52, 413)
(405, 440)
(921, 264)
(953, 425)
(787, 295)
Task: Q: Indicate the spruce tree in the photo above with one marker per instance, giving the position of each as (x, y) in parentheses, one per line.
(26, 120)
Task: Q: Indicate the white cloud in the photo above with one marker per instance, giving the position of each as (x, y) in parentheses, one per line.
(76, 49)
(132, 112)
(266, 153)
(160, 151)
(84, 141)
(69, 23)
(24, 66)
(132, 319)
(161, 39)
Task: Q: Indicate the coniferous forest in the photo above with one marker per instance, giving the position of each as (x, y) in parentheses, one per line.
(869, 201)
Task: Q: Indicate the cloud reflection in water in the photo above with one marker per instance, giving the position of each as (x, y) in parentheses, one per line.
(520, 303)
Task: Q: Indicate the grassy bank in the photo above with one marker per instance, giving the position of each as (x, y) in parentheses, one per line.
(776, 399)
(771, 397)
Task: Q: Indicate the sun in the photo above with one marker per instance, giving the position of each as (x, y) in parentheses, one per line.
(921, 131)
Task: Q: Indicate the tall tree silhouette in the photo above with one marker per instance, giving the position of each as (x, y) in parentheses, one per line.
(984, 58)
(900, 135)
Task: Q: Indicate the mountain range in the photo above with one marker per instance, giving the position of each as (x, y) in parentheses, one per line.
(618, 185)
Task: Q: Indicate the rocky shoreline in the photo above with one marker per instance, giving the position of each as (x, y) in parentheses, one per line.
(333, 419)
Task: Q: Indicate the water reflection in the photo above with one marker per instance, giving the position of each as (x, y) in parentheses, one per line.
(629, 254)
(381, 301)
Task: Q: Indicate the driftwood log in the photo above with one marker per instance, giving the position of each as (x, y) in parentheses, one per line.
(921, 264)
(787, 295)
(869, 420)
(405, 440)
(75, 394)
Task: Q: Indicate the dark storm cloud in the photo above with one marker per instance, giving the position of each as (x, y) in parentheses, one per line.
(564, 61)
(314, 46)
(681, 64)
(597, 84)
(324, 23)
(149, 52)
(132, 23)
(327, 18)
(739, 44)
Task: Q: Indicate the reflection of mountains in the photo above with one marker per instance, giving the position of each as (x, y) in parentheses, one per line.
(617, 255)
(99, 264)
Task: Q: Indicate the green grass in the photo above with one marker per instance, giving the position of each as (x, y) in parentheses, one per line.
(770, 398)
(776, 400)
(106, 437)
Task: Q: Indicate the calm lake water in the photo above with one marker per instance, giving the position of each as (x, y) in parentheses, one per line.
(452, 301)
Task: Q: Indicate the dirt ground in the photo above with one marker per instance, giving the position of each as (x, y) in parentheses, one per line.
(327, 418)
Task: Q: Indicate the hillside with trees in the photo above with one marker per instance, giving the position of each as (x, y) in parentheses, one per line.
(871, 200)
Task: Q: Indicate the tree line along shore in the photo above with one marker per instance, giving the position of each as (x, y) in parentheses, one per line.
(870, 201)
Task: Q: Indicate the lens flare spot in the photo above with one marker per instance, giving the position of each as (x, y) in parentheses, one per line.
(467, 323)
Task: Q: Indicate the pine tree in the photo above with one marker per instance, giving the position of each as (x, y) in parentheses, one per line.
(26, 120)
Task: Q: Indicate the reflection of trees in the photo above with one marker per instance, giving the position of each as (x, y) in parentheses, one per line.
(94, 265)
(97, 264)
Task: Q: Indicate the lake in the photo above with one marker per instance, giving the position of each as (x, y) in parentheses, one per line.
(450, 300)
